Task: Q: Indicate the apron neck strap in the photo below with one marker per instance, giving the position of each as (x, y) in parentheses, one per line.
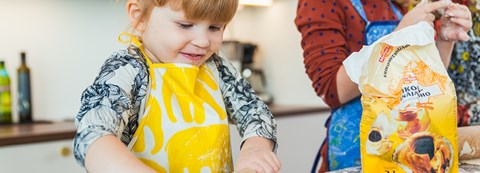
(127, 38)
(359, 8)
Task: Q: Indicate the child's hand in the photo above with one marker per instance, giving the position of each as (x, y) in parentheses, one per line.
(256, 155)
(245, 171)
(456, 23)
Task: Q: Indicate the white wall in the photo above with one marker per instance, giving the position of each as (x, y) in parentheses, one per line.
(66, 43)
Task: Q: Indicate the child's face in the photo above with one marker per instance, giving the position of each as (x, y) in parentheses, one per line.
(170, 38)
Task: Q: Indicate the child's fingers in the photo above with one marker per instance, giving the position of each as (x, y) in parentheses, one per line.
(268, 163)
(246, 170)
(251, 167)
(277, 161)
(274, 162)
(261, 164)
(265, 165)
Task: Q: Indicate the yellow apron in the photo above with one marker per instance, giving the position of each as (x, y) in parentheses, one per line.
(184, 127)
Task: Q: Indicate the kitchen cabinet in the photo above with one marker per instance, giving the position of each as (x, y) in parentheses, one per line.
(41, 147)
(43, 157)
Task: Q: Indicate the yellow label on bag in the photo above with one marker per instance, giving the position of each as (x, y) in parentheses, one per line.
(409, 112)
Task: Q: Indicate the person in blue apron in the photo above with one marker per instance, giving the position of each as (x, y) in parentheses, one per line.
(332, 30)
(164, 104)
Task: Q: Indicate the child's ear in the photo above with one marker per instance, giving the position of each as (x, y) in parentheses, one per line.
(134, 11)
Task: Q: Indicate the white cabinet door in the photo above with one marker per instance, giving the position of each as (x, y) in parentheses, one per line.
(46, 157)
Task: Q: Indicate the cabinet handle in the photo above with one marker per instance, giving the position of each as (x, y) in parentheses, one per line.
(65, 151)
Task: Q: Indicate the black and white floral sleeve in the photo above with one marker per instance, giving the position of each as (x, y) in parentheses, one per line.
(245, 109)
(110, 106)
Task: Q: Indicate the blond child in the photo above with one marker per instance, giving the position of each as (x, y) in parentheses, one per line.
(164, 103)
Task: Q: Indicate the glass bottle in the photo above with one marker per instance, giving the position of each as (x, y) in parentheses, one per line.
(24, 91)
(5, 96)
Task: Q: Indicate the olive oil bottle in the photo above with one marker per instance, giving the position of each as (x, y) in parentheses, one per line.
(24, 91)
(5, 96)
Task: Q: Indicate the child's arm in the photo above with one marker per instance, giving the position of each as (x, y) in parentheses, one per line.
(108, 154)
(109, 111)
(254, 120)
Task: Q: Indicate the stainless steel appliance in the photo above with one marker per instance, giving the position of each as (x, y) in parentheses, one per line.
(242, 56)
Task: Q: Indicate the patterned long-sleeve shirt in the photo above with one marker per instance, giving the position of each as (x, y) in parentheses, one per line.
(331, 30)
(113, 104)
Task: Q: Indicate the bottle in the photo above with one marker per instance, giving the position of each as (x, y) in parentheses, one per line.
(5, 96)
(24, 92)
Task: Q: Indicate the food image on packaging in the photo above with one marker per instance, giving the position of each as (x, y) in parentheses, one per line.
(412, 121)
(378, 142)
(424, 152)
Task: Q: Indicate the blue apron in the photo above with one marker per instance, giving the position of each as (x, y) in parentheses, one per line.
(344, 124)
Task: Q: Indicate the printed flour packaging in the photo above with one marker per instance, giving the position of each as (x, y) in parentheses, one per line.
(409, 104)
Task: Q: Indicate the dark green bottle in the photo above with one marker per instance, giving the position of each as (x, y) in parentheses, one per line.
(5, 96)
(24, 92)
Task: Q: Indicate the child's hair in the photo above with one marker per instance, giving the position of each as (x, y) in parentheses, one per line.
(221, 11)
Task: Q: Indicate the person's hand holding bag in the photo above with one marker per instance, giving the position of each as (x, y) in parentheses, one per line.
(455, 23)
(423, 12)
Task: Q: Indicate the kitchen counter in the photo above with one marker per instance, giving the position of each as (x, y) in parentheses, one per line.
(36, 132)
(49, 131)
(279, 111)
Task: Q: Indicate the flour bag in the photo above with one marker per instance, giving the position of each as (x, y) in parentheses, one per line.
(409, 104)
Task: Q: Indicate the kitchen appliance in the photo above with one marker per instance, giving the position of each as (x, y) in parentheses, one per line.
(242, 56)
